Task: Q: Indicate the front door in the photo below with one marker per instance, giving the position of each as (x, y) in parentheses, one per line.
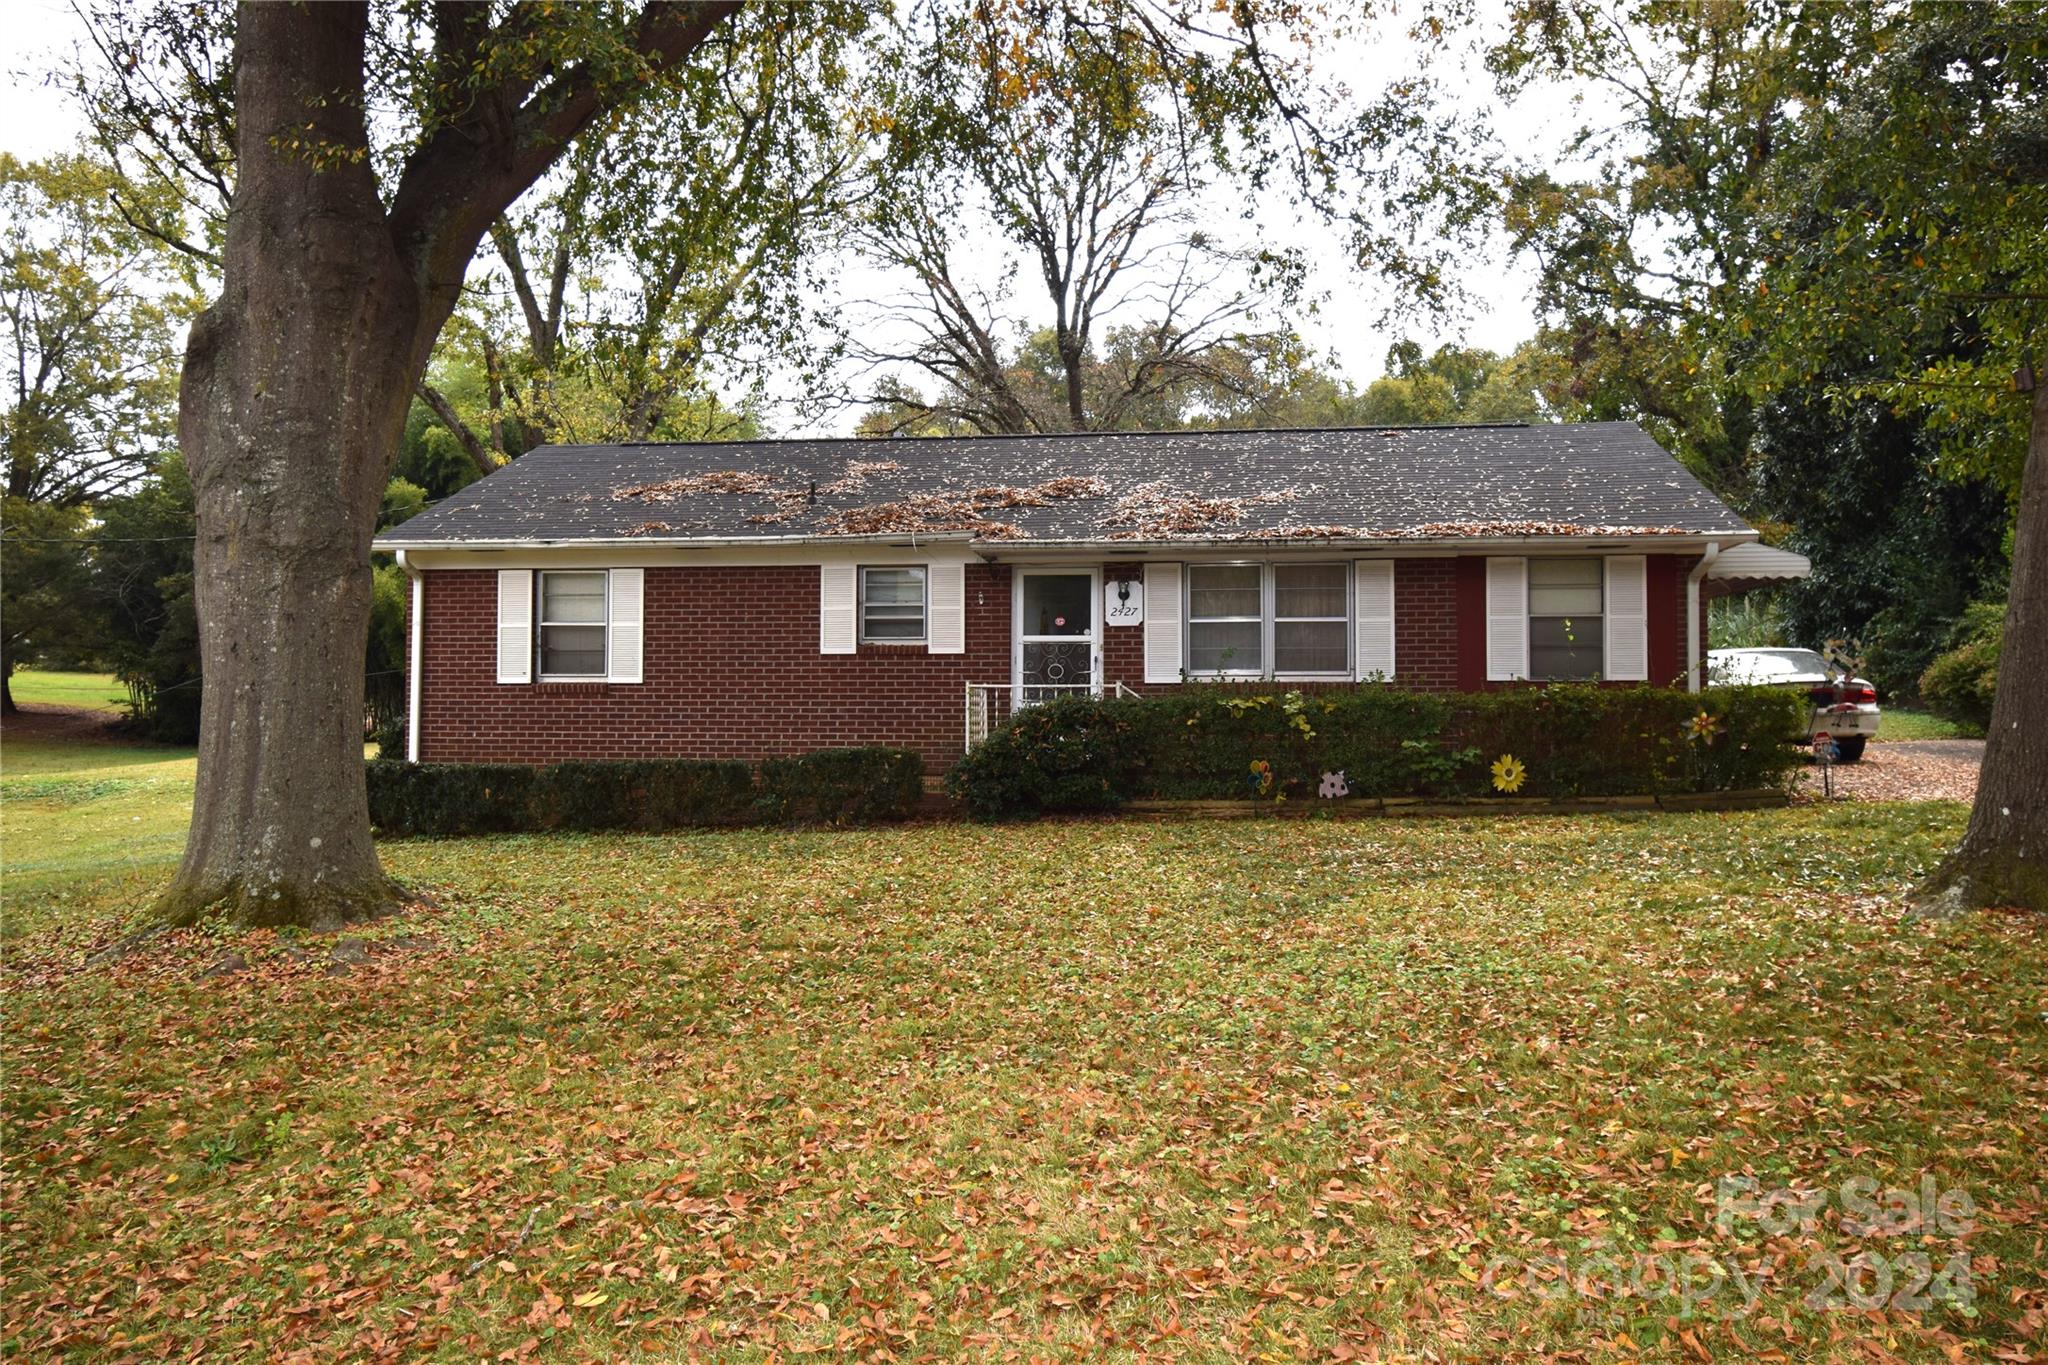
(1057, 650)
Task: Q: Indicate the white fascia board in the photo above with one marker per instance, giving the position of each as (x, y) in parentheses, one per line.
(598, 552)
(1053, 552)
(622, 554)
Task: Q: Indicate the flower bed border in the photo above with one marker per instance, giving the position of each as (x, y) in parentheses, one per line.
(1361, 808)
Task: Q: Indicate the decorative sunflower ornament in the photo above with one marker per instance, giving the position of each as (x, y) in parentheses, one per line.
(1508, 774)
(1702, 728)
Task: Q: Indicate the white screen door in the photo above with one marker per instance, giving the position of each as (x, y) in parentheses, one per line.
(1056, 634)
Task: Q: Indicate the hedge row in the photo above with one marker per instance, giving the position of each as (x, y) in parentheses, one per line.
(1218, 743)
(833, 786)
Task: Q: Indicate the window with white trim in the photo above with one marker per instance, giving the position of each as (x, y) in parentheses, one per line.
(1226, 620)
(892, 605)
(1311, 619)
(1269, 620)
(1566, 603)
(570, 624)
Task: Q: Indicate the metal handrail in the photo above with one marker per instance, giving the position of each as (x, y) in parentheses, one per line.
(980, 717)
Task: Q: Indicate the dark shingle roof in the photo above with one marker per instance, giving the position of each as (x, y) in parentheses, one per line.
(1490, 482)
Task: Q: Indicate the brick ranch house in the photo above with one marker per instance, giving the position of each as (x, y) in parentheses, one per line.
(753, 598)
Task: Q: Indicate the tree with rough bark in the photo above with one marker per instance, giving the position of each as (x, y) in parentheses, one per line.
(340, 260)
(365, 153)
(1915, 188)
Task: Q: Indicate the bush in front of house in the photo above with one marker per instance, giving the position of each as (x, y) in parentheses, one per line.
(1631, 741)
(450, 798)
(1072, 754)
(1230, 742)
(648, 794)
(836, 786)
(1200, 743)
(861, 786)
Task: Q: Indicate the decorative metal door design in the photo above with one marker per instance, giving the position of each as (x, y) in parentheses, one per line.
(1056, 636)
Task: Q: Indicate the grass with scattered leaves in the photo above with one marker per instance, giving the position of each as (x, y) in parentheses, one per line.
(1900, 724)
(1294, 1089)
(80, 817)
(86, 691)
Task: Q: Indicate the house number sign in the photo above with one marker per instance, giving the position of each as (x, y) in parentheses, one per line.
(1123, 602)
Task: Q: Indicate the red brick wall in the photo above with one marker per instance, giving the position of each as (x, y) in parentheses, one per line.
(729, 674)
(732, 666)
(1123, 647)
(1426, 630)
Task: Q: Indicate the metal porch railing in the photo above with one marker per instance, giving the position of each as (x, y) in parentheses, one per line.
(990, 704)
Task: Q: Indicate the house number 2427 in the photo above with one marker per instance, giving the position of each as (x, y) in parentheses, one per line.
(1123, 602)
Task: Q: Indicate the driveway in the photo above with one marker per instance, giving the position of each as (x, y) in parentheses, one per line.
(1906, 770)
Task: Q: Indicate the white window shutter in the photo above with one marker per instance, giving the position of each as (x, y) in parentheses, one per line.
(1162, 623)
(624, 641)
(515, 625)
(1374, 595)
(836, 608)
(946, 601)
(1628, 623)
(1507, 619)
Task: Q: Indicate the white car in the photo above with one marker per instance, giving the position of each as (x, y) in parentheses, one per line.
(1845, 709)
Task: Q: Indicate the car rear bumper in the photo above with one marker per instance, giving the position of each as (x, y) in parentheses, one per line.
(1844, 722)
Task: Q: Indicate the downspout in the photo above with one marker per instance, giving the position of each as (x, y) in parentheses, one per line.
(413, 658)
(1693, 673)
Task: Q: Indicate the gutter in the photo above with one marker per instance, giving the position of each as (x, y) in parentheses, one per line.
(1694, 678)
(413, 658)
(669, 542)
(998, 550)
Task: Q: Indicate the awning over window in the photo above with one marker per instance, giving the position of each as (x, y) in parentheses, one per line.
(1742, 568)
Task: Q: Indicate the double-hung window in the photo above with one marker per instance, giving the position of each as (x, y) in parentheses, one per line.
(1566, 605)
(892, 605)
(1311, 619)
(571, 624)
(1261, 620)
(1226, 620)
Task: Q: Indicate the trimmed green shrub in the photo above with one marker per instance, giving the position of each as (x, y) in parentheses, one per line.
(1200, 743)
(649, 794)
(842, 786)
(449, 798)
(1072, 754)
(1582, 740)
(1237, 742)
(838, 786)
(1961, 684)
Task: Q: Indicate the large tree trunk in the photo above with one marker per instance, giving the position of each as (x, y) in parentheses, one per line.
(2003, 859)
(294, 395)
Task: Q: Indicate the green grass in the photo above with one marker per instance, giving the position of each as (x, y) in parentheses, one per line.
(1897, 724)
(87, 691)
(76, 816)
(1071, 1090)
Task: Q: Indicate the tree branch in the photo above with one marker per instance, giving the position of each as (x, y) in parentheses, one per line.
(472, 444)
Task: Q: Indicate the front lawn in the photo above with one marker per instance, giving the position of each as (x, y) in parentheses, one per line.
(80, 815)
(1895, 723)
(1192, 1090)
(85, 691)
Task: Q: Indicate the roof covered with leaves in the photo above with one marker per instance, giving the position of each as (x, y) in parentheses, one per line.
(1378, 483)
